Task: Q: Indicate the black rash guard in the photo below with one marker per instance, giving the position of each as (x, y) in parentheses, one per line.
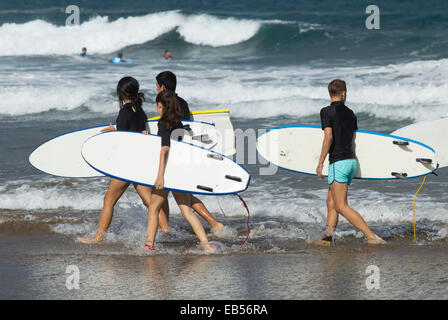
(165, 133)
(343, 122)
(131, 119)
(184, 108)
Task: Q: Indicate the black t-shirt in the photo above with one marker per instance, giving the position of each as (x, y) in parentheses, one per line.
(166, 133)
(130, 120)
(184, 108)
(343, 122)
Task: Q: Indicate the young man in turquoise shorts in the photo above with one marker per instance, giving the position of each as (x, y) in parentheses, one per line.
(339, 124)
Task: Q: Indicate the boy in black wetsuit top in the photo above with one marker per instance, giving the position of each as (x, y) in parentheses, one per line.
(339, 124)
(166, 80)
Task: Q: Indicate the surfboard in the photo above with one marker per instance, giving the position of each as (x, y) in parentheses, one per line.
(134, 157)
(200, 133)
(380, 156)
(61, 156)
(431, 132)
(223, 124)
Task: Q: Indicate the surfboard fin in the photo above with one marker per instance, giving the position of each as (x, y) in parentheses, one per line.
(237, 179)
(215, 156)
(204, 188)
(399, 175)
(401, 143)
(424, 160)
(204, 138)
(188, 129)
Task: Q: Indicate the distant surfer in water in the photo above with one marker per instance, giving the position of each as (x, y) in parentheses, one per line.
(170, 115)
(339, 124)
(83, 52)
(130, 118)
(119, 58)
(167, 55)
(166, 80)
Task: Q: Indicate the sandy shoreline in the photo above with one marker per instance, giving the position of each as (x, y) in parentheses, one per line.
(405, 272)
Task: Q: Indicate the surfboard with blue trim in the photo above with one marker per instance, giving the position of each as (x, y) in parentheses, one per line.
(61, 155)
(134, 157)
(380, 156)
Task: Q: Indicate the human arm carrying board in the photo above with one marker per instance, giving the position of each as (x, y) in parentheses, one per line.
(380, 156)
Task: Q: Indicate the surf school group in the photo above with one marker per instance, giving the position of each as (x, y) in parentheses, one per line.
(338, 124)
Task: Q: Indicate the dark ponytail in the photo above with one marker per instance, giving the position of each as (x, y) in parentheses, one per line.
(172, 113)
(128, 88)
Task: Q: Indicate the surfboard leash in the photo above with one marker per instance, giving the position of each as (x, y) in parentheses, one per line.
(415, 197)
(248, 220)
(219, 204)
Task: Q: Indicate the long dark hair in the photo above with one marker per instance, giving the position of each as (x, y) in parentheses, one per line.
(172, 113)
(128, 88)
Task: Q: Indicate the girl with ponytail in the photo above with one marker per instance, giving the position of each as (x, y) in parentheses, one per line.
(131, 117)
(170, 116)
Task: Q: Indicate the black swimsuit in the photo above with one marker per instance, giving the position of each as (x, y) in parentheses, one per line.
(131, 118)
(166, 133)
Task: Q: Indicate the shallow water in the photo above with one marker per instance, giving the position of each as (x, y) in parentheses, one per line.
(304, 272)
(269, 66)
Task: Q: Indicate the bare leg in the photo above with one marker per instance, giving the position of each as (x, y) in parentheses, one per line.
(164, 216)
(184, 202)
(145, 194)
(157, 199)
(332, 216)
(200, 208)
(339, 193)
(114, 192)
(332, 222)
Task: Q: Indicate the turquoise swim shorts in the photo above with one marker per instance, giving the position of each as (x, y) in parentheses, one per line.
(343, 171)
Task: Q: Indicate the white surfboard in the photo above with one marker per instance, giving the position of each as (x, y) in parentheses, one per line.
(380, 156)
(432, 133)
(134, 157)
(61, 156)
(223, 124)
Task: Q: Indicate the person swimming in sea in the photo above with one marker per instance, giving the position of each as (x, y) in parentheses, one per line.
(82, 53)
(167, 55)
(119, 59)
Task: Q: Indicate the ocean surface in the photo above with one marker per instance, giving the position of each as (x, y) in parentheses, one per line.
(269, 63)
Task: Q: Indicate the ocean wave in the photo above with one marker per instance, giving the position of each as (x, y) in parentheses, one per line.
(416, 90)
(102, 36)
(35, 99)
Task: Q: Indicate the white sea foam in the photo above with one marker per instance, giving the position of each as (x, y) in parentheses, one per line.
(416, 90)
(33, 99)
(102, 36)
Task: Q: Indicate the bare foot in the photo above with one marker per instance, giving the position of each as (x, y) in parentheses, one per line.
(166, 230)
(217, 229)
(376, 241)
(324, 243)
(149, 247)
(99, 236)
(326, 239)
(208, 247)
